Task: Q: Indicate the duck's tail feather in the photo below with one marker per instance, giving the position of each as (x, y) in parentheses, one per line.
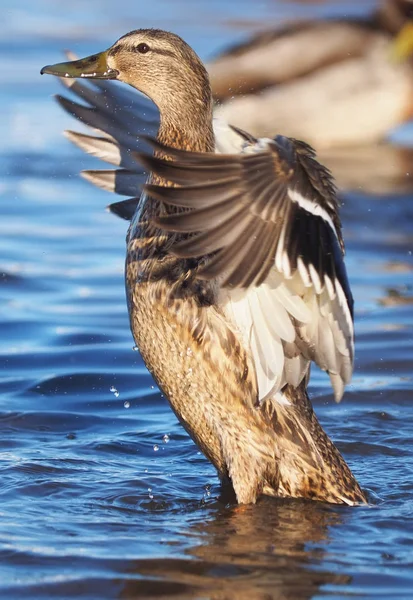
(309, 465)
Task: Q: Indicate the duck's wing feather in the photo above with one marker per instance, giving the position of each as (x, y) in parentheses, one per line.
(267, 221)
(265, 215)
(117, 117)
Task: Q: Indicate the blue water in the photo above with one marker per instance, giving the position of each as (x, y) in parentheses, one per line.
(102, 494)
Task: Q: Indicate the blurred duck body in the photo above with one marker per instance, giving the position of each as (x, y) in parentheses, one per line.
(235, 275)
(331, 82)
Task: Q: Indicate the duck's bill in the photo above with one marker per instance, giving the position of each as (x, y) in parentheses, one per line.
(92, 67)
(402, 46)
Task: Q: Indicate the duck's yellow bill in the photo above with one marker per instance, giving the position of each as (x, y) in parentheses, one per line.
(92, 67)
(402, 47)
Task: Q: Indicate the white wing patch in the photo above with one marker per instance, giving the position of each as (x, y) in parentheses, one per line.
(311, 207)
(227, 141)
(287, 325)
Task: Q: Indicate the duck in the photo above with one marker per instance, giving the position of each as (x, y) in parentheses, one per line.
(235, 274)
(334, 82)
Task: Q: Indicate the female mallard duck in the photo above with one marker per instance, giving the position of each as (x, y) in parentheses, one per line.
(234, 271)
(332, 82)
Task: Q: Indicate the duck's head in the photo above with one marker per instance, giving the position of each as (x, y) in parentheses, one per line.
(158, 63)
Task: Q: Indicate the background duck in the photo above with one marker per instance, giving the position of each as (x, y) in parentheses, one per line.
(230, 301)
(331, 82)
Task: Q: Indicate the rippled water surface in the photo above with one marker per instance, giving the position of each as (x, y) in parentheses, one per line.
(102, 493)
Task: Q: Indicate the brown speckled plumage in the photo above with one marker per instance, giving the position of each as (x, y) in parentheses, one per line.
(193, 350)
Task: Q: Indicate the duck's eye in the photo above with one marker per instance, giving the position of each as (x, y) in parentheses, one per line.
(142, 48)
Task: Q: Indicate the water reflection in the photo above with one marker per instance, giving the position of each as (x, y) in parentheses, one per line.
(397, 297)
(271, 550)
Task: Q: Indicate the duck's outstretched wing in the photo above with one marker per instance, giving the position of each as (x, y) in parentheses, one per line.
(267, 221)
(118, 116)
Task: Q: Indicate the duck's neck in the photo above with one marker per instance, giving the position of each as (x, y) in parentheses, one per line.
(188, 126)
(189, 129)
(391, 15)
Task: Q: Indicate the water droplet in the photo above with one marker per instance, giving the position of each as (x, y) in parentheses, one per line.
(156, 448)
(152, 387)
(166, 438)
(126, 404)
(114, 391)
(135, 349)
